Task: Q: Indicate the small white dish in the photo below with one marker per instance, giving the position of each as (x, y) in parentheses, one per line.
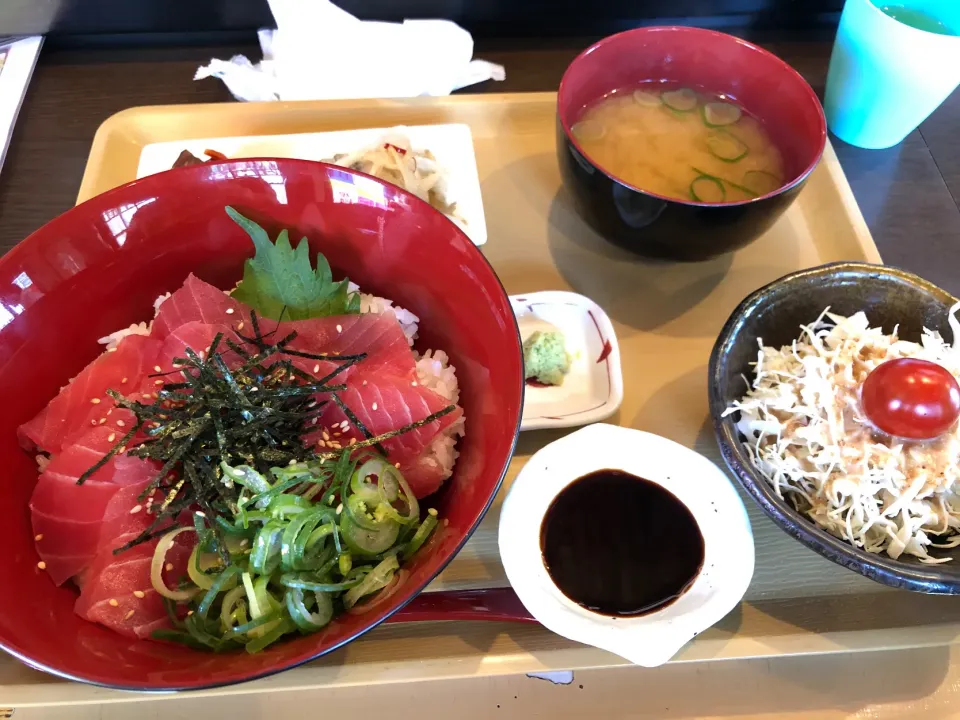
(593, 389)
(652, 639)
(452, 145)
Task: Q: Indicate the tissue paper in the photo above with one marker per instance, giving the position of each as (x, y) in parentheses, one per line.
(320, 52)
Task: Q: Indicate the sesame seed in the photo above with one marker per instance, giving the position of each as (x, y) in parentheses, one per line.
(254, 389)
(353, 441)
(446, 522)
(189, 613)
(229, 311)
(123, 380)
(339, 508)
(339, 328)
(93, 421)
(102, 421)
(414, 383)
(314, 421)
(135, 509)
(157, 368)
(111, 437)
(396, 465)
(240, 326)
(113, 602)
(321, 443)
(432, 511)
(364, 382)
(109, 411)
(316, 368)
(202, 353)
(113, 349)
(38, 537)
(169, 566)
(42, 565)
(120, 423)
(336, 434)
(95, 401)
(292, 377)
(374, 406)
(128, 615)
(292, 462)
(158, 382)
(123, 449)
(326, 435)
(141, 593)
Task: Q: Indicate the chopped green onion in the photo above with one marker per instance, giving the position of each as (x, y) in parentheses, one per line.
(304, 583)
(683, 100)
(707, 189)
(726, 146)
(420, 536)
(718, 114)
(363, 541)
(305, 619)
(647, 98)
(378, 578)
(588, 130)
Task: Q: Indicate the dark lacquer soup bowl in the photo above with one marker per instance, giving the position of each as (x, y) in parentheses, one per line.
(891, 299)
(761, 83)
(100, 266)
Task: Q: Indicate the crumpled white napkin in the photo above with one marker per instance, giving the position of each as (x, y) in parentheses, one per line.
(320, 52)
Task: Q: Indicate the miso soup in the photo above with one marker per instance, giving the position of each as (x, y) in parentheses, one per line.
(681, 143)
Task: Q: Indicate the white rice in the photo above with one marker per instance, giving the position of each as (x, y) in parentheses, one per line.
(373, 304)
(114, 338)
(141, 328)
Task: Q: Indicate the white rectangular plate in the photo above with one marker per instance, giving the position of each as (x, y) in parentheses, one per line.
(452, 145)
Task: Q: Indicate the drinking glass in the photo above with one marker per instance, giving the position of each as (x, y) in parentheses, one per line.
(893, 63)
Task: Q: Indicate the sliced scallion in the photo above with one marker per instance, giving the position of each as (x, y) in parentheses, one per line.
(718, 114)
(707, 189)
(683, 100)
(726, 146)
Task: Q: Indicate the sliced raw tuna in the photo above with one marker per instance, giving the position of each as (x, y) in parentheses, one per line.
(72, 522)
(84, 401)
(197, 301)
(378, 335)
(196, 335)
(389, 403)
(117, 591)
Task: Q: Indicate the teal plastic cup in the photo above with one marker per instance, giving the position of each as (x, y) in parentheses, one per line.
(893, 63)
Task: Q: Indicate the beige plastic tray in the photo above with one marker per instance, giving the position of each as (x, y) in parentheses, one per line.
(666, 317)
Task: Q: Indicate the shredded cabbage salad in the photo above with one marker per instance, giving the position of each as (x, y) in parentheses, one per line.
(806, 433)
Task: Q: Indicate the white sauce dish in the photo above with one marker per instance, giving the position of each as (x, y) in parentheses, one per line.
(649, 639)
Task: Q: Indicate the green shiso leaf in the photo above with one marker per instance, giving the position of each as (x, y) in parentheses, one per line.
(280, 279)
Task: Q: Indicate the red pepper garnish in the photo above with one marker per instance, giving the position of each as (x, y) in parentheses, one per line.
(400, 150)
(214, 155)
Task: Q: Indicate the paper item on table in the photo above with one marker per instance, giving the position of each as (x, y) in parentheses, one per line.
(320, 52)
(18, 56)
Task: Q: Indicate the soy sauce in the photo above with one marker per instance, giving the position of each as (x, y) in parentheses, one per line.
(620, 545)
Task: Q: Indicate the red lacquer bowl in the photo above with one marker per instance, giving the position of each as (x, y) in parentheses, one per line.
(653, 225)
(99, 267)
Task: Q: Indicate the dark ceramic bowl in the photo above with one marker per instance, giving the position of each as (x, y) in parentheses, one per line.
(99, 267)
(775, 313)
(658, 226)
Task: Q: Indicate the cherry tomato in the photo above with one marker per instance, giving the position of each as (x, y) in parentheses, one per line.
(911, 399)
